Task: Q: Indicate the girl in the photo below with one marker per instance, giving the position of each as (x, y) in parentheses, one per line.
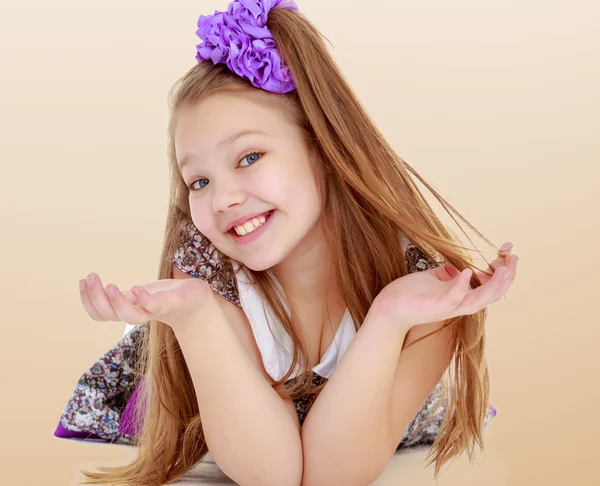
(309, 300)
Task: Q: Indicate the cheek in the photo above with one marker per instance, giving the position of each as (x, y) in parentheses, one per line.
(203, 220)
(271, 187)
(289, 187)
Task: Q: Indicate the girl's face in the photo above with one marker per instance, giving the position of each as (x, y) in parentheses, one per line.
(244, 155)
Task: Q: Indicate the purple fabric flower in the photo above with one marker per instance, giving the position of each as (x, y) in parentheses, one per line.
(241, 39)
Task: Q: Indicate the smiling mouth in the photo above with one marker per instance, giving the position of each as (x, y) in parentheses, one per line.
(255, 233)
(266, 215)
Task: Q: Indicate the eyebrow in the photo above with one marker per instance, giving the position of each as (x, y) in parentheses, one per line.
(253, 131)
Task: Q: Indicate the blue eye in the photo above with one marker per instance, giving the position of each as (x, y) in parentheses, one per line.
(255, 156)
(252, 154)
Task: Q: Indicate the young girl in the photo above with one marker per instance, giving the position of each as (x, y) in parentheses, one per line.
(309, 300)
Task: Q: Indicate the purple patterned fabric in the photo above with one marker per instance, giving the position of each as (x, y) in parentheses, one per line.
(241, 39)
(65, 433)
(95, 407)
(128, 424)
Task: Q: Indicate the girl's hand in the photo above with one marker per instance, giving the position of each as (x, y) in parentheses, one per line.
(175, 302)
(444, 292)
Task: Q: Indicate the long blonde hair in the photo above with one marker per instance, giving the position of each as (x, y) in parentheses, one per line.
(369, 201)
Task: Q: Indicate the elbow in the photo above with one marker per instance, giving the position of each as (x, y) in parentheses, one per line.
(335, 470)
(272, 477)
(268, 477)
(342, 480)
(282, 476)
(283, 471)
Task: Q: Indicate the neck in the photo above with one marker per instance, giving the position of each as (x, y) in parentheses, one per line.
(308, 278)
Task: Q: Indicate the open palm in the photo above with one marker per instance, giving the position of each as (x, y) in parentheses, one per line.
(443, 292)
(175, 302)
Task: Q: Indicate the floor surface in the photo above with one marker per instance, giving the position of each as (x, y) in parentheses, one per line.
(407, 467)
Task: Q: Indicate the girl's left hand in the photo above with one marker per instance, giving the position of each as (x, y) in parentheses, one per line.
(443, 292)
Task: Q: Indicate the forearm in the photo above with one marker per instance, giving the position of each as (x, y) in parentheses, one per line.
(347, 434)
(246, 424)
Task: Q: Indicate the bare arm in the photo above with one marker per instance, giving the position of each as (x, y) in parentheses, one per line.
(356, 423)
(247, 426)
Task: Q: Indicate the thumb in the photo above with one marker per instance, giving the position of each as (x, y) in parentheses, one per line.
(452, 270)
(150, 302)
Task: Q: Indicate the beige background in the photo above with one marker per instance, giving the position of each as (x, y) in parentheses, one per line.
(496, 103)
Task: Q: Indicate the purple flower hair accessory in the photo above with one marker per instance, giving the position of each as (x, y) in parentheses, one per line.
(241, 39)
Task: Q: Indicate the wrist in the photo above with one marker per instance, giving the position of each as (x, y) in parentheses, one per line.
(386, 313)
(381, 317)
(196, 320)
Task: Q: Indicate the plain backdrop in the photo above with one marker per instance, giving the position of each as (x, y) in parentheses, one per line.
(495, 103)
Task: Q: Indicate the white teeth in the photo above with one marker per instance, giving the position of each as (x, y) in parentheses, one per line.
(250, 226)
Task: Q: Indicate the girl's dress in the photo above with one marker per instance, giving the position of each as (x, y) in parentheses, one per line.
(100, 407)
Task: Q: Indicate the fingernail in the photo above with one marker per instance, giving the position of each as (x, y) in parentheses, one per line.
(505, 277)
(506, 246)
(91, 279)
(82, 285)
(111, 291)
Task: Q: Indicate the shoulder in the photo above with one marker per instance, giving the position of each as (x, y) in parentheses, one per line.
(416, 258)
(196, 257)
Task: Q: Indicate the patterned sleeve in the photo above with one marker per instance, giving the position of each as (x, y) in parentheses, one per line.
(198, 257)
(416, 260)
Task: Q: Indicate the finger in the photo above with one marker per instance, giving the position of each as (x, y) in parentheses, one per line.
(457, 292)
(503, 253)
(126, 311)
(129, 297)
(447, 272)
(492, 291)
(505, 249)
(498, 262)
(511, 264)
(482, 296)
(150, 302)
(88, 305)
(100, 299)
(491, 269)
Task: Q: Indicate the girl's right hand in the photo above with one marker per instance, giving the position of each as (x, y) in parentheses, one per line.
(175, 302)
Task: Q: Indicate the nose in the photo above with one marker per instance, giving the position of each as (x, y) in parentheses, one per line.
(227, 195)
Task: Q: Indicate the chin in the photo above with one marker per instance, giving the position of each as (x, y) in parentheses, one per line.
(260, 265)
(256, 263)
